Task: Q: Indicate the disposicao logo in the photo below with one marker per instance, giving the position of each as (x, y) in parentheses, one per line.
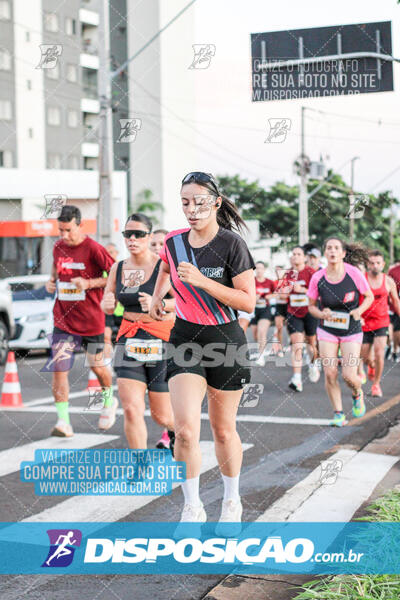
(63, 543)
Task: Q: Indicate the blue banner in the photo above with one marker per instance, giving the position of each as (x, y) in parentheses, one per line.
(252, 548)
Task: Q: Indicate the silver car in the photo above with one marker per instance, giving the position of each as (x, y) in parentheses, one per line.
(33, 312)
(7, 325)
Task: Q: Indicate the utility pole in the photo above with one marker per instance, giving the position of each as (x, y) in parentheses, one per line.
(352, 200)
(303, 200)
(392, 227)
(106, 157)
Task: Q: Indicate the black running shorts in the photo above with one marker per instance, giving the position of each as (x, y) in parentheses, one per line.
(219, 353)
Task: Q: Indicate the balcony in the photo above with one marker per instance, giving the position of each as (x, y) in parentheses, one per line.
(90, 150)
(91, 134)
(90, 91)
(89, 56)
(88, 17)
(90, 105)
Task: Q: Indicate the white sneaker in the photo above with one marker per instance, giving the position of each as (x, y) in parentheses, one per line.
(314, 373)
(261, 360)
(108, 416)
(62, 429)
(229, 523)
(190, 514)
(296, 385)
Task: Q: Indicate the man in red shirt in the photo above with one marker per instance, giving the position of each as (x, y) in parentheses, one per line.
(300, 324)
(77, 275)
(376, 317)
(263, 318)
(394, 273)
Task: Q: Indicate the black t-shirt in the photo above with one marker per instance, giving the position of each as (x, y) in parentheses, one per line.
(224, 257)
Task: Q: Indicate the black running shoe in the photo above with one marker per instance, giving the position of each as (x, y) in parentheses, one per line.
(171, 435)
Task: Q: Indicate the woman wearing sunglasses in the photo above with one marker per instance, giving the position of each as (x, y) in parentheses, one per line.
(212, 274)
(138, 361)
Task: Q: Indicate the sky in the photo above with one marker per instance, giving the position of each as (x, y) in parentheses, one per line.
(230, 130)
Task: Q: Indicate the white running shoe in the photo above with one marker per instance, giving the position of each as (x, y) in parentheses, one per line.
(62, 429)
(260, 362)
(313, 372)
(296, 385)
(229, 523)
(108, 416)
(190, 514)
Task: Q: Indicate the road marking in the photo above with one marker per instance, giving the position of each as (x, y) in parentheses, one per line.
(313, 500)
(112, 508)
(378, 410)
(80, 410)
(10, 459)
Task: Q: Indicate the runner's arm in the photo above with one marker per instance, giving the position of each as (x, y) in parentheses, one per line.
(109, 302)
(393, 294)
(51, 283)
(241, 297)
(366, 303)
(314, 310)
(161, 288)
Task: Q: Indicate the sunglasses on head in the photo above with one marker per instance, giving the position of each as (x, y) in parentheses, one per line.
(200, 178)
(137, 233)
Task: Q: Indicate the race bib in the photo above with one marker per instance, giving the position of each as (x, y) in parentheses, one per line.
(298, 300)
(68, 291)
(341, 320)
(143, 350)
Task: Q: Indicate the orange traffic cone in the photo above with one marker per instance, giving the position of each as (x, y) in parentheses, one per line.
(11, 389)
(93, 381)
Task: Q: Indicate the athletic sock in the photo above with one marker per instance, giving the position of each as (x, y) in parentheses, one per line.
(297, 377)
(62, 411)
(108, 398)
(190, 489)
(231, 488)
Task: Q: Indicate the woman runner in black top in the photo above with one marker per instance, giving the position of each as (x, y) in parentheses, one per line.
(138, 359)
(212, 274)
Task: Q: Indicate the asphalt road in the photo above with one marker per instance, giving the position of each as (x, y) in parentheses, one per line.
(285, 441)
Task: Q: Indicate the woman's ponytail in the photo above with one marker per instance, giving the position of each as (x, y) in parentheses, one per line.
(228, 216)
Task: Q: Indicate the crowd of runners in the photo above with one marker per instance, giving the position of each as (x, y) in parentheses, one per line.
(154, 316)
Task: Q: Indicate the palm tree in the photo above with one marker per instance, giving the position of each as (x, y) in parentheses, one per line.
(146, 204)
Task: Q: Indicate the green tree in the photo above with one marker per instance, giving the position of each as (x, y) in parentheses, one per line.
(145, 204)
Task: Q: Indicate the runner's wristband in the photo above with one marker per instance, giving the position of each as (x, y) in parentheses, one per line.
(163, 303)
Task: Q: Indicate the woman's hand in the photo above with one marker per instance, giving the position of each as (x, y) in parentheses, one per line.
(326, 314)
(356, 314)
(108, 303)
(190, 274)
(156, 309)
(145, 301)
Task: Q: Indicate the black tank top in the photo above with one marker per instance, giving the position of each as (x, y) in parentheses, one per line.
(128, 295)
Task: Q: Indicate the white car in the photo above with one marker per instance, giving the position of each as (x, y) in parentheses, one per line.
(33, 312)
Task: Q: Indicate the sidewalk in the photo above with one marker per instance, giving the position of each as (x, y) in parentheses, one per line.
(285, 587)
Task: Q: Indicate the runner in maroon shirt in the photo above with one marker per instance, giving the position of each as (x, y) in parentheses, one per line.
(376, 317)
(394, 273)
(300, 324)
(77, 275)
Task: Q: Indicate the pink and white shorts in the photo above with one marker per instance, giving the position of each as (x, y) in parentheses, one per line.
(324, 336)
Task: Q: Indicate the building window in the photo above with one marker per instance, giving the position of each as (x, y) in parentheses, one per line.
(5, 110)
(53, 73)
(29, 84)
(5, 12)
(6, 159)
(53, 116)
(73, 162)
(72, 73)
(54, 161)
(5, 59)
(72, 118)
(27, 36)
(51, 22)
(30, 132)
(70, 26)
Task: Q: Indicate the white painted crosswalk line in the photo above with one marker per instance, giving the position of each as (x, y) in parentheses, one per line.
(10, 460)
(39, 406)
(112, 508)
(312, 500)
